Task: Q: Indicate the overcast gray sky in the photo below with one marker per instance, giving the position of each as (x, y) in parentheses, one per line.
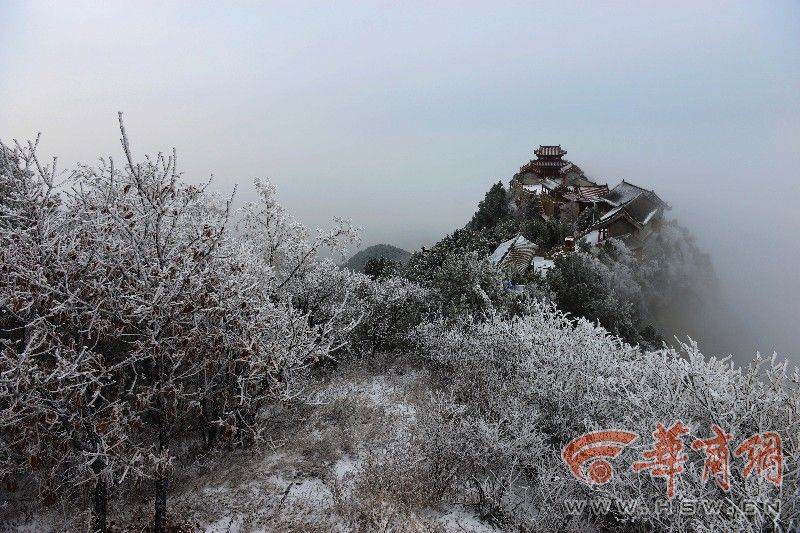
(400, 115)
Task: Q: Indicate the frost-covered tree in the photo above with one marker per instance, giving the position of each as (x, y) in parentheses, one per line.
(65, 422)
(470, 285)
(135, 320)
(165, 242)
(547, 234)
(391, 308)
(585, 287)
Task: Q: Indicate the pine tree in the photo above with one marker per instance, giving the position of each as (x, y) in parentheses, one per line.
(492, 209)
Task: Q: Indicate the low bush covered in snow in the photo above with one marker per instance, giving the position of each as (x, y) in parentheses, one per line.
(519, 389)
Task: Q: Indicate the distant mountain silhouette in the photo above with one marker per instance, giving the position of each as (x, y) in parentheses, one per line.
(393, 253)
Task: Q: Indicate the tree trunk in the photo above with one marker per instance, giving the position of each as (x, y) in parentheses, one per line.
(100, 511)
(210, 430)
(160, 519)
(213, 432)
(161, 482)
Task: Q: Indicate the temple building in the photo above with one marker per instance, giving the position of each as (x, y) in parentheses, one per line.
(547, 177)
(586, 196)
(558, 188)
(514, 256)
(630, 213)
(549, 161)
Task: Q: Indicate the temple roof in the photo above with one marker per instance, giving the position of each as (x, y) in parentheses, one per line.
(639, 211)
(515, 254)
(643, 208)
(547, 151)
(625, 192)
(549, 162)
(587, 194)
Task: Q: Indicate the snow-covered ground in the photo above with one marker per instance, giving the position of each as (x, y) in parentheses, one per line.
(536, 188)
(284, 490)
(542, 265)
(307, 481)
(592, 237)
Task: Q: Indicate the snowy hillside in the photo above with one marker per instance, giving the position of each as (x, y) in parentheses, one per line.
(169, 363)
